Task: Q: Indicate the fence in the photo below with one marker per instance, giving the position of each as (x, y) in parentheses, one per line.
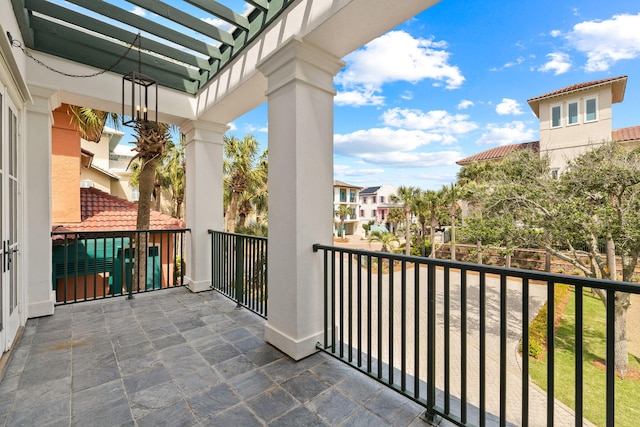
(446, 335)
(239, 269)
(94, 265)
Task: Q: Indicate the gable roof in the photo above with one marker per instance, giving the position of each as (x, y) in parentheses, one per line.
(337, 183)
(499, 152)
(618, 86)
(101, 211)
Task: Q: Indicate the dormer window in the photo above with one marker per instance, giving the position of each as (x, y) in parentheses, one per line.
(572, 113)
(591, 110)
(556, 116)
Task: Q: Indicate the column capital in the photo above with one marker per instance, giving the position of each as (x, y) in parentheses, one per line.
(302, 61)
(44, 99)
(203, 131)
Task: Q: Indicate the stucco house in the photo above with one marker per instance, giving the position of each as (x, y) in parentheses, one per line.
(346, 195)
(375, 203)
(572, 119)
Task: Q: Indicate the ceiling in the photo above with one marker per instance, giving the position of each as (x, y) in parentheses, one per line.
(184, 43)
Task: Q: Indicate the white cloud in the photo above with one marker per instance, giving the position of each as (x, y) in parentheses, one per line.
(396, 56)
(407, 95)
(608, 41)
(464, 104)
(438, 121)
(348, 170)
(232, 127)
(509, 106)
(414, 160)
(559, 63)
(382, 140)
(510, 133)
(518, 61)
(253, 129)
(139, 11)
(219, 23)
(556, 33)
(359, 98)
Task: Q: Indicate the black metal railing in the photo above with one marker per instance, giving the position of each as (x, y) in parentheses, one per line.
(446, 334)
(94, 265)
(239, 269)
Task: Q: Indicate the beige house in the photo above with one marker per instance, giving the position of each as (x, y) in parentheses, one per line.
(572, 120)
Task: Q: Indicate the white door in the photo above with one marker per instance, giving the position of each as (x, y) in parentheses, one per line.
(9, 202)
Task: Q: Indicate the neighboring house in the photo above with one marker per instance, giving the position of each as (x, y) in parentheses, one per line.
(345, 194)
(572, 120)
(375, 203)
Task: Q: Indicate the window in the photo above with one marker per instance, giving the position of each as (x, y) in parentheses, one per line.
(373, 213)
(352, 196)
(374, 199)
(362, 212)
(382, 215)
(381, 199)
(135, 193)
(343, 195)
(590, 110)
(364, 199)
(556, 116)
(555, 173)
(572, 108)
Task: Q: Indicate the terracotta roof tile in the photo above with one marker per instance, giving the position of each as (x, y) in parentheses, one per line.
(101, 211)
(577, 86)
(500, 152)
(626, 134)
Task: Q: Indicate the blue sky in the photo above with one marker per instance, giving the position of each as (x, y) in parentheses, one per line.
(455, 80)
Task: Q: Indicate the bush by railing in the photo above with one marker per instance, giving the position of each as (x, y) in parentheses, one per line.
(239, 269)
(94, 265)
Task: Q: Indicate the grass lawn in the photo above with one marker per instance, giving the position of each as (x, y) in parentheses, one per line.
(627, 411)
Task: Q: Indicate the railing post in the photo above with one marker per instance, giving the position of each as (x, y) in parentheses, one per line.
(239, 270)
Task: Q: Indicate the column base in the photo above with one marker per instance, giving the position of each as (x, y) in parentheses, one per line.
(201, 286)
(296, 349)
(42, 308)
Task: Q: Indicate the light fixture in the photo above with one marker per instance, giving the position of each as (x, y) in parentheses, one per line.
(139, 96)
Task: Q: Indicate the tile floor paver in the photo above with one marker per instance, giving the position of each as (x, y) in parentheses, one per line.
(173, 358)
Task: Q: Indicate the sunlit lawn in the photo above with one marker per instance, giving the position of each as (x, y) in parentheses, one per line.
(627, 411)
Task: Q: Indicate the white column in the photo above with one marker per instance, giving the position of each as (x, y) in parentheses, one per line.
(300, 96)
(36, 252)
(203, 198)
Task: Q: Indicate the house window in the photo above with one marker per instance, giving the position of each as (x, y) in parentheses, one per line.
(556, 116)
(590, 110)
(364, 199)
(382, 215)
(362, 212)
(352, 196)
(343, 195)
(373, 213)
(381, 199)
(572, 118)
(135, 193)
(555, 173)
(374, 199)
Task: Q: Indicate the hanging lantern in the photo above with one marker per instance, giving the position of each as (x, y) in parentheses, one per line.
(139, 95)
(139, 99)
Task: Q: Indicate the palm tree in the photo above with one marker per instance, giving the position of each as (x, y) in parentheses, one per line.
(432, 201)
(245, 172)
(407, 196)
(450, 194)
(384, 237)
(394, 217)
(174, 165)
(342, 212)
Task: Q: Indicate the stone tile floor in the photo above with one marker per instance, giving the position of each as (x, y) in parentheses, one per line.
(174, 358)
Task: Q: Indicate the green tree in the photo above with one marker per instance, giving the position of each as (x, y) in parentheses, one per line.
(450, 195)
(245, 174)
(385, 237)
(597, 199)
(407, 196)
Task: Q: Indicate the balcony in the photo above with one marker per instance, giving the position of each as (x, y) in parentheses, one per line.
(406, 339)
(172, 357)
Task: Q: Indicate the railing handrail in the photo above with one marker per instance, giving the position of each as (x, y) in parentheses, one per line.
(226, 233)
(107, 232)
(590, 282)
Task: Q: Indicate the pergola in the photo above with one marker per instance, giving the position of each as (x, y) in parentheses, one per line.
(284, 52)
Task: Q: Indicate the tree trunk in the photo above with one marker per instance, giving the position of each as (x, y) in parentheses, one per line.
(432, 236)
(407, 233)
(620, 335)
(479, 246)
(232, 212)
(611, 258)
(146, 182)
(453, 238)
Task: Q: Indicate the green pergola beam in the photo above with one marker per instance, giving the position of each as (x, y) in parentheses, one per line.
(47, 8)
(184, 19)
(222, 12)
(22, 16)
(102, 8)
(261, 4)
